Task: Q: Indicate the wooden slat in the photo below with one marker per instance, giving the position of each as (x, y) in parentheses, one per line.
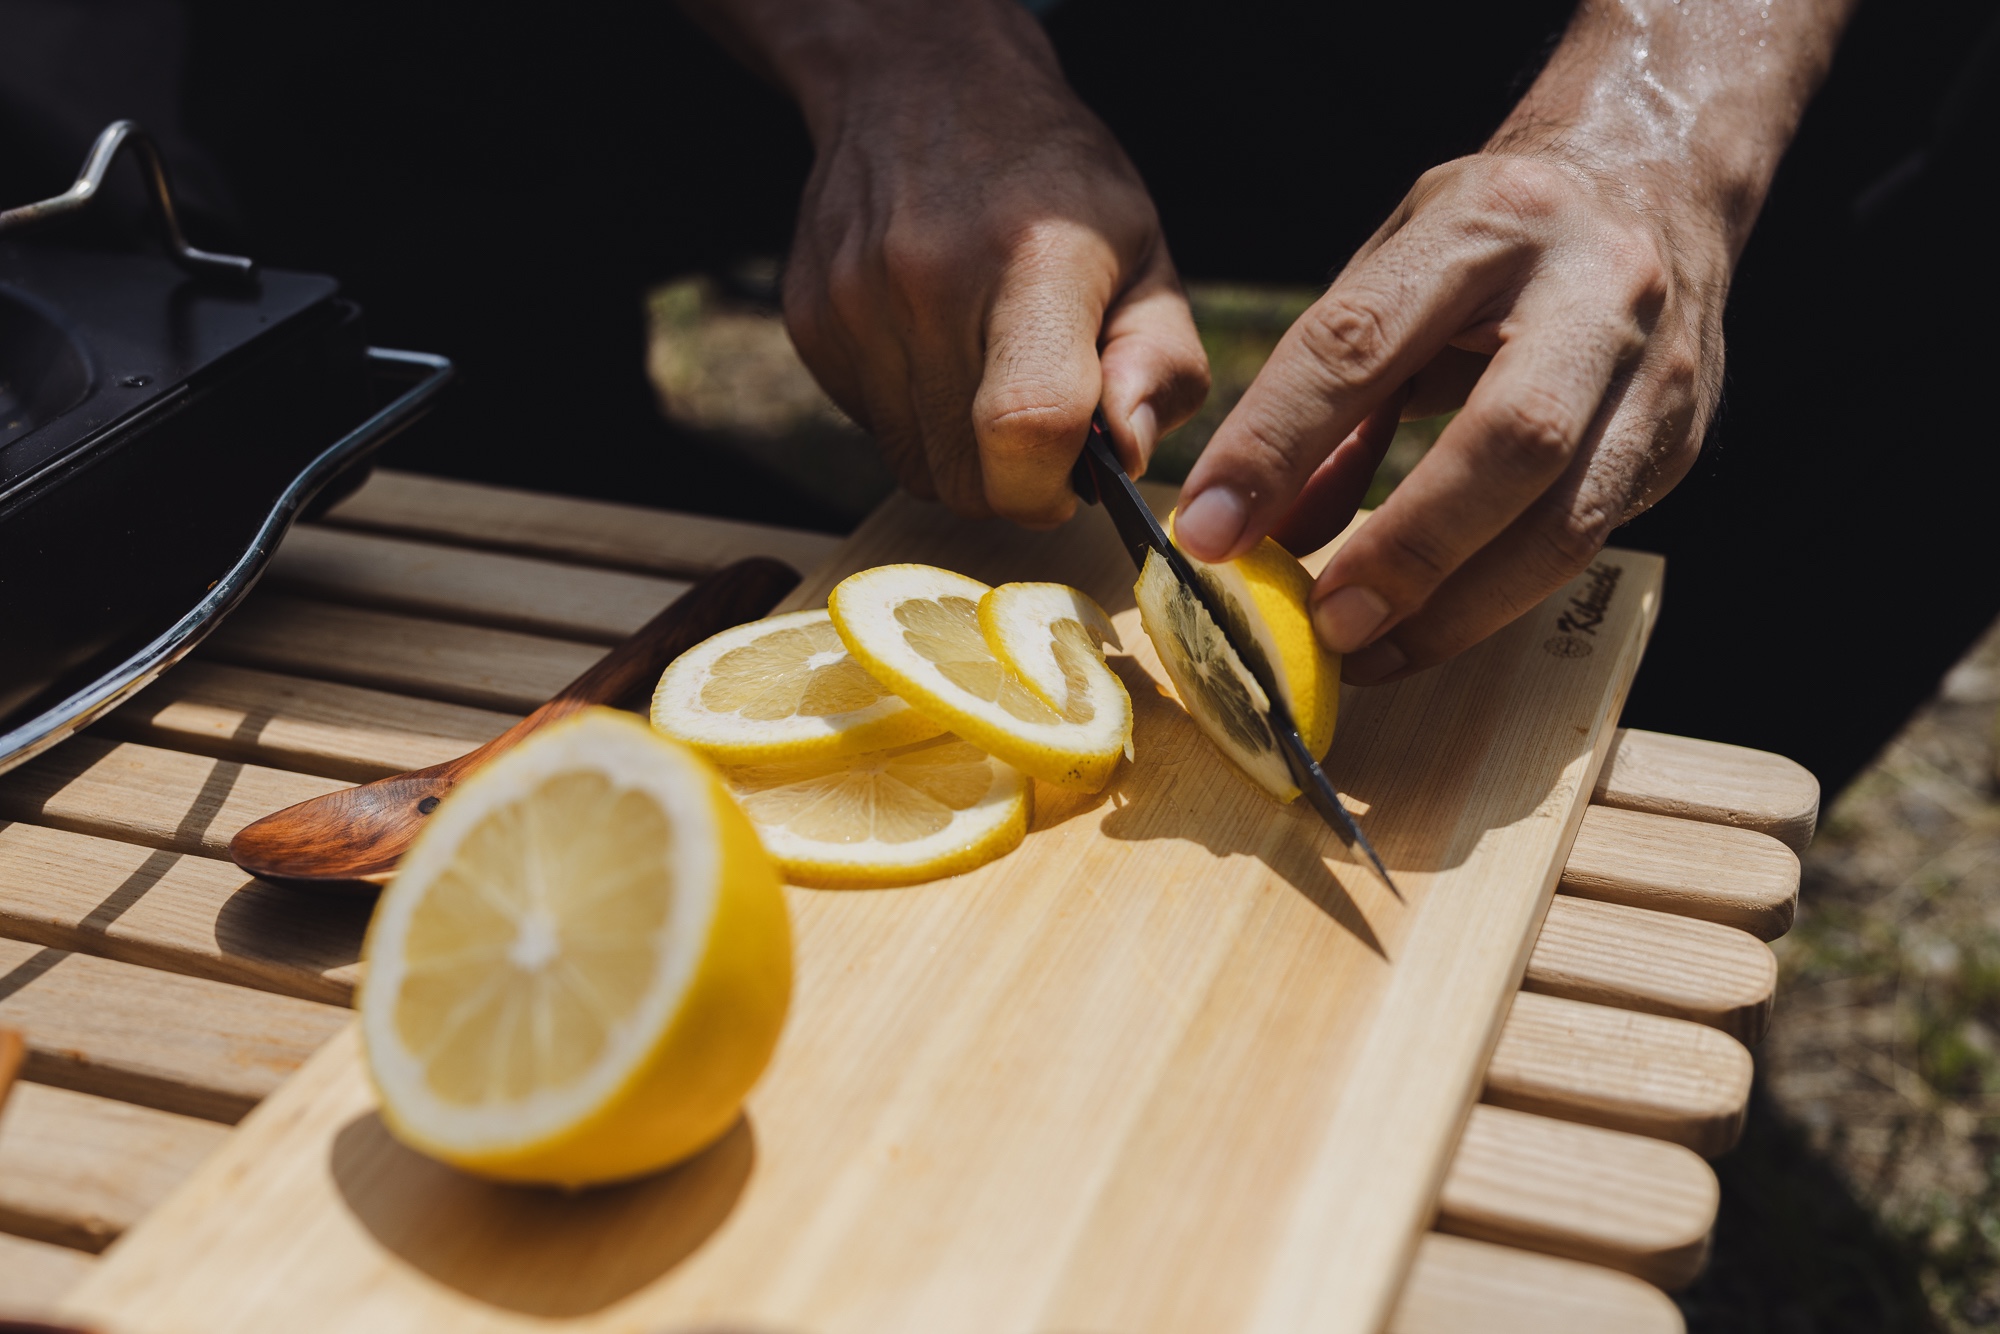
(459, 664)
(1459, 1286)
(1625, 1201)
(290, 722)
(1601, 952)
(144, 794)
(1711, 781)
(185, 914)
(34, 1275)
(594, 531)
(181, 1044)
(1636, 959)
(1645, 1073)
(204, 917)
(1738, 877)
(77, 1170)
(475, 587)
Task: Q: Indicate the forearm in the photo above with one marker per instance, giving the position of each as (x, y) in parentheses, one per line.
(826, 53)
(1689, 103)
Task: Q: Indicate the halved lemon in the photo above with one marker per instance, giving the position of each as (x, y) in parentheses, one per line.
(581, 966)
(891, 817)
(1217, 689)
(1051, 636)
(1262, 594)
(780, 689)
(916, 629)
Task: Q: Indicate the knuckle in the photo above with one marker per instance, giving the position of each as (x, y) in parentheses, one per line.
(1533, 430)
(1525, 190)
(1650, 280)
(1635, 260)
(847, 290)
(1347, 333)
(1024, 421)
(1572, 538)
(1680, 375)
(1254, 456)
(1421, 559)
(914, 260)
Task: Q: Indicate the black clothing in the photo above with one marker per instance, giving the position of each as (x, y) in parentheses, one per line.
(501, 186)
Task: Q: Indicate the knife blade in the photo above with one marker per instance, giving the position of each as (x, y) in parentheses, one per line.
(1099, 478)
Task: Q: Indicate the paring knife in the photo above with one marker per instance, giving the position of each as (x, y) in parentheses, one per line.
(1099, 478)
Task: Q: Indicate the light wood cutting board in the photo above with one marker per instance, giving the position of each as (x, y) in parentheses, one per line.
(1180, 1063)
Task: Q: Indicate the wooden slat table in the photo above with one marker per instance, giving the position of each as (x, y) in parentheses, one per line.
(163, 993)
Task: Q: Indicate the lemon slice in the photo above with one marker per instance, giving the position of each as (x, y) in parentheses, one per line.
(890, 817)
(1050, 635)
(1262, 595)
(916, 629)
(785, 688)
(1215, 686)
(581, 966)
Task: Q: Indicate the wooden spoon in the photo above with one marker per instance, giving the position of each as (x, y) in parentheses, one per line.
(354, 838)
(13, 1053)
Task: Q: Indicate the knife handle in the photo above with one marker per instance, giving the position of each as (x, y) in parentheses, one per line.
(1081, 479)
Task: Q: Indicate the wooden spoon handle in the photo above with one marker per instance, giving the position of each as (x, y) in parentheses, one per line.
(13, 1052)
(732, 595)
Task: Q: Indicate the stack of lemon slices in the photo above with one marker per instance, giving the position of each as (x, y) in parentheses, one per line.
(890, 738)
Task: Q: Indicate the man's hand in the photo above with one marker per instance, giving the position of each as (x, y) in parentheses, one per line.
(977, 264)
(1564, 289)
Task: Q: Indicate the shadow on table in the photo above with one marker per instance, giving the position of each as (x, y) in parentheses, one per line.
(538, 1251)
(1795, 1252)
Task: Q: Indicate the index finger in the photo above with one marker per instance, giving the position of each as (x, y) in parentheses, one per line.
(1379, 324)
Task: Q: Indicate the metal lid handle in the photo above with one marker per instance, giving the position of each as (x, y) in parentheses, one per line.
(118, 135)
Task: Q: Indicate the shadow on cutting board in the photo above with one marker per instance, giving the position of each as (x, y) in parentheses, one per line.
(1154, 801)
(541, 1252)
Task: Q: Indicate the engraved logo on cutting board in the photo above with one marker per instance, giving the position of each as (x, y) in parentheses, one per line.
(1585, 613)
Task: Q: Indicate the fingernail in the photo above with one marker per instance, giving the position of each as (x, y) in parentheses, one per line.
(1209, 525)
(1372, 664)
(1144, 424)
(1347, 617)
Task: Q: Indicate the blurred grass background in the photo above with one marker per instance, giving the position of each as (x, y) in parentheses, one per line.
(1865, 1196)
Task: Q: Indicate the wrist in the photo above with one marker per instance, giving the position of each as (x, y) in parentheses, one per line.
(1687, 119)
(833, 56)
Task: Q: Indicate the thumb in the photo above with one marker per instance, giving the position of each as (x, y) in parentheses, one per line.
(1155, 371)
(1041, 380)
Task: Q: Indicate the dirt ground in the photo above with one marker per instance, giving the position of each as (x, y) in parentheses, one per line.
(1863, 1196)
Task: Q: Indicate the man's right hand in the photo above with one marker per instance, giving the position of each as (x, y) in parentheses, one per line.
(977, 264)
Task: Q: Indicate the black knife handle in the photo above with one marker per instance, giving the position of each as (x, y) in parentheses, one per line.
(1082, 479)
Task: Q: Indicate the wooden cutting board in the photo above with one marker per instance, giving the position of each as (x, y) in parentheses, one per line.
(1179, 1063)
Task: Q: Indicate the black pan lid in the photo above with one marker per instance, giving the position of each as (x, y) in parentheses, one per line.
(89, 340)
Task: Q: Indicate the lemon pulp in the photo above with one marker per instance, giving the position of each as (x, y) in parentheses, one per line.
(1219, 692)
(917, 630)
(888, 817)
(781, 688)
